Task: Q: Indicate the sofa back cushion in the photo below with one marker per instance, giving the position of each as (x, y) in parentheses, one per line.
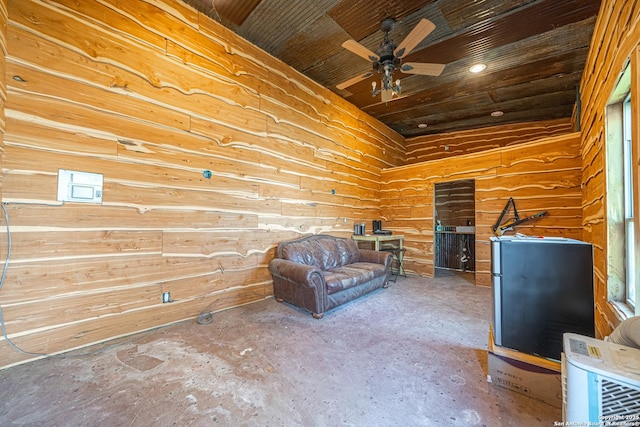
(324, 252)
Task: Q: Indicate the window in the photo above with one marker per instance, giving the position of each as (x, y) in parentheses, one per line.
(629, 247)
(621, 182)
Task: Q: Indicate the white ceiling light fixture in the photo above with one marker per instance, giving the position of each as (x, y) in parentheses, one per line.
(477, 68)
(422, 125)
(497, 113)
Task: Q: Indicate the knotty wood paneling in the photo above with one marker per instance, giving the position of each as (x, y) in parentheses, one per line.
(154, 93)
(151, 94)
(3, 84)
(455, 202)
(453, 144)
(540, 175)
(615, 41)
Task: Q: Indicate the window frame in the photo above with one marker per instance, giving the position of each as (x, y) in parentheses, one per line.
(629, 211)
(621, 193)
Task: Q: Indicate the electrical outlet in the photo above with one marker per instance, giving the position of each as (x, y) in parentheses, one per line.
(166, 297)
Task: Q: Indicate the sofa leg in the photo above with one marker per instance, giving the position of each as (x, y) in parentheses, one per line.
(317, 315)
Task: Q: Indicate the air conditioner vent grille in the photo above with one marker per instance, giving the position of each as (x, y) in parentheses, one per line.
(619, 399)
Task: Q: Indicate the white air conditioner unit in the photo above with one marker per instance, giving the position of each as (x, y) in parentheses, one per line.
(600, 382)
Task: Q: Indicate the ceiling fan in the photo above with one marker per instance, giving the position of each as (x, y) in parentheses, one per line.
(388, 58)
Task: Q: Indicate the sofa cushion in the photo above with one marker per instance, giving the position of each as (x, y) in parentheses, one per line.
(324, 253)
(351, 275)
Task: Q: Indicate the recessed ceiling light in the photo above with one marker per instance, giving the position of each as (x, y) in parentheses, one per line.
(477, 68)
(497, 113)
(422, 125)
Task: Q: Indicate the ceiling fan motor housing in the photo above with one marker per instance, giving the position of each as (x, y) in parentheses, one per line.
(387, 58)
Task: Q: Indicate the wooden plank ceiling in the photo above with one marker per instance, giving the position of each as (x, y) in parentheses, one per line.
(535, 52)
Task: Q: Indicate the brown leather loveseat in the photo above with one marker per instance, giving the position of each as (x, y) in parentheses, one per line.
(320, 272)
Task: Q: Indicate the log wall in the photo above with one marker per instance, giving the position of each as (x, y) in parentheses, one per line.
(152, 94)
(3, 83)
(542, 175)
(615, 41)
(455, 202)
(453, 144)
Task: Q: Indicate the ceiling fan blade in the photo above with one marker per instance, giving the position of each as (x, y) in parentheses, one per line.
(422, 68)
(360, 50)
(354, 80)
(422, 30)
(386, 95)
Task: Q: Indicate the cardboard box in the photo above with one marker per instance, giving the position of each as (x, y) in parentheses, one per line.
(533, 376)
(531, 380)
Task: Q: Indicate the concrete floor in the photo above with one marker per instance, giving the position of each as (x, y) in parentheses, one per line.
(410, 355)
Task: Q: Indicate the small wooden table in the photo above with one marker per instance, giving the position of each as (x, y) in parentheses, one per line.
(377, 238)
(388, 239)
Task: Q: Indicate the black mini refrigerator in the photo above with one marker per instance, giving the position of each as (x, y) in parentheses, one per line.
(542, 287)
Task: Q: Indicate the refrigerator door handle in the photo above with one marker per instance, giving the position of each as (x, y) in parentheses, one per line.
(496, 267)
(496, 285)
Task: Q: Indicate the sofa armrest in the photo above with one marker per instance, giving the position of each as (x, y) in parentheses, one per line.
(299, 284)
(378, 257)
(295, 272)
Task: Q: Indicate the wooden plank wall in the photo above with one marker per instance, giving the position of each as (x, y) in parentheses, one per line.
(453, 144)
(455, 202)
(151, 94)
(615, 41)
(541, 175)
(3, 83)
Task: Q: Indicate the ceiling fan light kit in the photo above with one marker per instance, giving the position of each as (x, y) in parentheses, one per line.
(388, 58)
(388, 89)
